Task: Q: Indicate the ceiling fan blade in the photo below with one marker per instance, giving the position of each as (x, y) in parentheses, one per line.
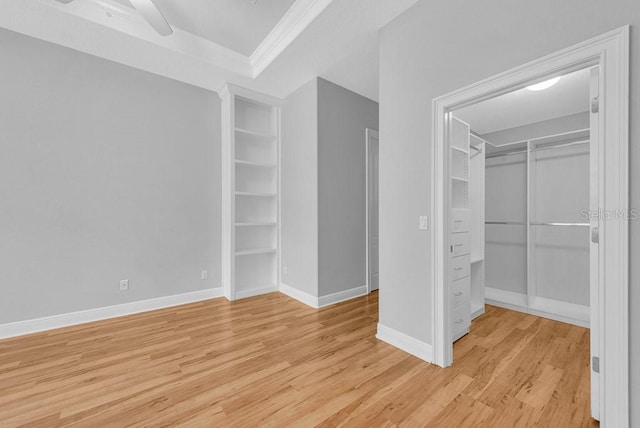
(150, 12)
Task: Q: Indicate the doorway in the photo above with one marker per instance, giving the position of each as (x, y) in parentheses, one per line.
(609, 53)
(372, 153)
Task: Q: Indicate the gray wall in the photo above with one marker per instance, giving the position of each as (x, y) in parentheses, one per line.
(323, 187)
(343, 117)
(106, 173)
(299, 189)
(423, 56)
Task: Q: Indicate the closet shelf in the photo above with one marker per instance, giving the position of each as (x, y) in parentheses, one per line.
(256, 224)
(257, 194)
(255, 251)
(255, 164)
(255, 135)
(475, 260)
(462, 180)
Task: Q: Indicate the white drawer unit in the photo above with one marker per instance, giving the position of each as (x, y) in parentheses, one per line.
(460, 220)
(460, 292)
(460, 267)
(460, 244)
(461, 321)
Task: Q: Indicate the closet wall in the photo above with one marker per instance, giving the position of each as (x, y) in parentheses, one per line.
(559, 257)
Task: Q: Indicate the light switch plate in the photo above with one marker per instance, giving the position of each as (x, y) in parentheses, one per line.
(424, 222)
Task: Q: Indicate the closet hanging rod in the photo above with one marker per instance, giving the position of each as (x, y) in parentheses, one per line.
(561, 224)
(517, 223)
(511, 223)
(509, 153)
(559, 146)
(475, 148)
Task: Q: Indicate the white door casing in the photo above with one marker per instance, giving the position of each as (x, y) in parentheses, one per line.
(610, 52)
(372, 153)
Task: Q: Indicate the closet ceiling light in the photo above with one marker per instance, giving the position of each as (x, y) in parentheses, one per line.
(544, 85)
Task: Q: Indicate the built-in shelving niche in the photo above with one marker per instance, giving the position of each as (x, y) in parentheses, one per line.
(250, 253)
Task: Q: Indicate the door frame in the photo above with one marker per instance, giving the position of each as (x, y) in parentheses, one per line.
(610, 52)
(368, 134)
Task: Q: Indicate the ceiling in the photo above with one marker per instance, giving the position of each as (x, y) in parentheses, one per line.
(522, 107)
(274, 46)
(240, 25)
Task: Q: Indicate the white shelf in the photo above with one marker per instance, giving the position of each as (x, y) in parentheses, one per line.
(255, 135)
(256, 224)
(250, 158)
(255, 251)
(462, 180)
(255, 164)
(476, 260)
(257, 195)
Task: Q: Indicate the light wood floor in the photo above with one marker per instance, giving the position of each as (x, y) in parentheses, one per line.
(271, 361)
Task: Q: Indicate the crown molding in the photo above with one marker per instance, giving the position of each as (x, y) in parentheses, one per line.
(299, 16)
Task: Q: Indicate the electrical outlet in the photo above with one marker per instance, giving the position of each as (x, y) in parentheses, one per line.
(204, 274)
(285, 270)
(124, 285)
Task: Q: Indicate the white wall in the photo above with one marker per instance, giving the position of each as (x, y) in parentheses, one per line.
(106, 173)
(556, 197)
(434, 48)
(343, 117)
(299, 189)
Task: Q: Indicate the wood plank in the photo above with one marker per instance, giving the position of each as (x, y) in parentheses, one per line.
(271, 361)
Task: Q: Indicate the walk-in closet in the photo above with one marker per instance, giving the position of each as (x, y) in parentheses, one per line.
(521, 190)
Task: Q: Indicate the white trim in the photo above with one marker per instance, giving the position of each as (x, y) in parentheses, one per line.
(244, 294)
(299, 16)
(367, 143)
(341, 296)
(406, 343)
(506, 299)
(569, 313)
(610, 52)
(299, 295)
(323, 301)
(97, 314)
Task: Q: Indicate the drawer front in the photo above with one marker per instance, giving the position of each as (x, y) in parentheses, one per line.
(460, 292)
(461, 320)
(461, 244)
(460, 220)
(460, 267)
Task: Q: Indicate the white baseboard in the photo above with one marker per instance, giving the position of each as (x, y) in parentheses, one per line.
(476, 311)
(74, 318)
(413, 346)
(256, 292)
(341, 296)
(547, 308)
(506, 299)
(299, 295)
(322, 301)
(570, 313)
